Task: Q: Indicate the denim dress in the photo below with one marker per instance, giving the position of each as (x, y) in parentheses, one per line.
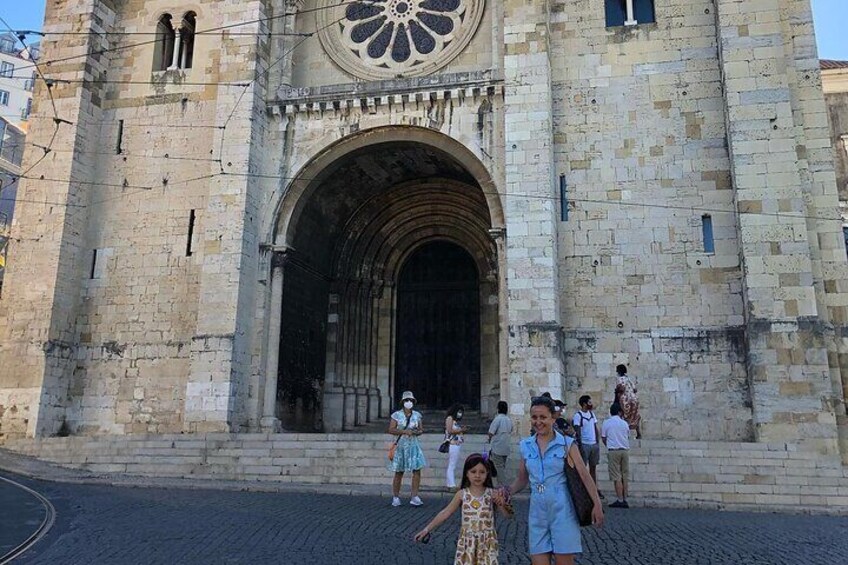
(552, 524)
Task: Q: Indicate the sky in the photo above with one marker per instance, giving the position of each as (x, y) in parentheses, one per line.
(830, 16)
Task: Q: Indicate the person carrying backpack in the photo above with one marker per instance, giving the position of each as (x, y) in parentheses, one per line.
(586, 425)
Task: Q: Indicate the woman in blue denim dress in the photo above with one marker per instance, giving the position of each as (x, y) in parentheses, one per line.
(553, 527)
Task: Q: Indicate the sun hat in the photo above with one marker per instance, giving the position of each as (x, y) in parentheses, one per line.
(407, 395)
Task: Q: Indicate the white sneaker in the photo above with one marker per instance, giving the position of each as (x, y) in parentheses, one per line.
(416, 501)
(395, 501)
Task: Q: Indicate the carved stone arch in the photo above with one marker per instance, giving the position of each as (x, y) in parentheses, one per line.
(314, 168)
(353, 215)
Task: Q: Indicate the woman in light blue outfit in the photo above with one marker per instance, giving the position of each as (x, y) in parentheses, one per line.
(407, 425)
(553, 527)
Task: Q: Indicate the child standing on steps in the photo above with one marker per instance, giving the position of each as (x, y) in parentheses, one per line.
(478, 541)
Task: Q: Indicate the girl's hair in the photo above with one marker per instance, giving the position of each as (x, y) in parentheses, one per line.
(544, 401)
(454, 409)
(472, 461)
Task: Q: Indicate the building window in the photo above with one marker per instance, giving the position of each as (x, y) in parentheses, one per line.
(186, 54)
(174, 47)
(4, 98)
(629, 12)
(707, 226)
(28, 110)
(7, 44)
(845, 235)
(163, 52)
(7, 69)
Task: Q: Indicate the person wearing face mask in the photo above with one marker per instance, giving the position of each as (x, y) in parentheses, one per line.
(453, 433)
(586, 425)
(407, 424)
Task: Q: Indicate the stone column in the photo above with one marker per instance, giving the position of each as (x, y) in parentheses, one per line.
(269, 421)
(49, 252)
(534, 362)
(772, 145)
(217, 388)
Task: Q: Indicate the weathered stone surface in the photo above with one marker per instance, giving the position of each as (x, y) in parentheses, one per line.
(240, 256)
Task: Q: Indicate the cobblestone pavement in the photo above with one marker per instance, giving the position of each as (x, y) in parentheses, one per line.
(103, 524)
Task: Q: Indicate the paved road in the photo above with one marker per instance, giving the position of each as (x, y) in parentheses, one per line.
(21, 515)
(103, 524)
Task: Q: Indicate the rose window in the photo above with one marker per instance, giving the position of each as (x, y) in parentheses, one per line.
(391, 38)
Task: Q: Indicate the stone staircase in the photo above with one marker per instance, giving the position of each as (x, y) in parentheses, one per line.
(752, 476)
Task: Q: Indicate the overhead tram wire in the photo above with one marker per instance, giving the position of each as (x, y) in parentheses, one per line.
(232, 113)
(305, 36)
(264, 73)
(691, 209)
(149, 33)
(204, 31)
(57, 121)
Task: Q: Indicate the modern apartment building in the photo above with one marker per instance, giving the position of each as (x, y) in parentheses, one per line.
(17, 79)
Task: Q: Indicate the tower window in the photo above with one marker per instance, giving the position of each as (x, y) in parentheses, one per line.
(629, 12)
(186, 51)
(163, 52)
(174, 47)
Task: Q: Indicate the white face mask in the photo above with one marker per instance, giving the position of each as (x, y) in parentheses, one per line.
(408, 404)
(458, 415)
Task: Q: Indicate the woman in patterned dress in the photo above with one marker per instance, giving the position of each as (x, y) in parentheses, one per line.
(628, 399)
(478, 541)
(407, 424)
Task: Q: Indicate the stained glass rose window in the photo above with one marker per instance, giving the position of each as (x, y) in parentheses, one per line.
(390, 38)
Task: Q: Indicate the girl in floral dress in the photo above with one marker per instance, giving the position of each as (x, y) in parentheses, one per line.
(478, 541)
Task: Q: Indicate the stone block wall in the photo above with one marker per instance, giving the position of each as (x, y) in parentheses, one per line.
(713, 113)
(640, 139)
(151, 326)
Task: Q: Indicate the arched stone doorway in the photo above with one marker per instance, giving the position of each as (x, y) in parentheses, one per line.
(438, 327)
(354, 217)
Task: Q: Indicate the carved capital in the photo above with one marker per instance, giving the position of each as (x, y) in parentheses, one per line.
(279, 259)
(497, 233)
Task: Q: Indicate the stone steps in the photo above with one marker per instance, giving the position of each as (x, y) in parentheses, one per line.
(688, 473)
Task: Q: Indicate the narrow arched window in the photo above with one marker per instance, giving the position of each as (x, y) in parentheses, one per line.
(187, 28)
(163, 52)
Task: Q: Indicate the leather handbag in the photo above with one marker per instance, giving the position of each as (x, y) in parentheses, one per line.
(445, 446)
(583, 504)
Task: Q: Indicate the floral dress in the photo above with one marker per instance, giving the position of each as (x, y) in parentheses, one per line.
(625, 395)
(408, 455)
(478, 542)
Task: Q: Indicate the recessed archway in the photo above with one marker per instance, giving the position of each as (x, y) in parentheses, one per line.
(353, 218)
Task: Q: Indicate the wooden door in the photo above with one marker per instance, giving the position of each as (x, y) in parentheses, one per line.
(438, 328)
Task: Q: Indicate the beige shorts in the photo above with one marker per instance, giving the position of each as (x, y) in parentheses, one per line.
(618, 461)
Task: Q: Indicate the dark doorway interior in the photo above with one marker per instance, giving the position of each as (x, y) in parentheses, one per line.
(438, 327)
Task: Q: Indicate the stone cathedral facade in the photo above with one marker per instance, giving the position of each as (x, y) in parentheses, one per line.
(258, 215)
